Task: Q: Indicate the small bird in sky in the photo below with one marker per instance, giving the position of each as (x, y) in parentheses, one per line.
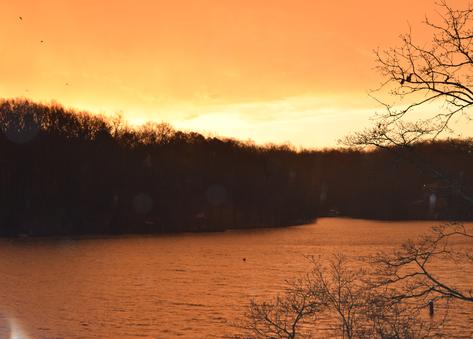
(67, 84)
(41, 41)
(20, 17)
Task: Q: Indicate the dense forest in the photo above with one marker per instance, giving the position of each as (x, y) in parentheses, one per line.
(67, 172)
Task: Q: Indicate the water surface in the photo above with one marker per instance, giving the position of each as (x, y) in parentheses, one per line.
(166, 286)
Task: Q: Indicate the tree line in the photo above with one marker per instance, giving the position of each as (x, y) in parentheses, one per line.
(69, 172)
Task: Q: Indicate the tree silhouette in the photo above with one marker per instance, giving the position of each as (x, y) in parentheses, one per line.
(422, 77)
(416, 76)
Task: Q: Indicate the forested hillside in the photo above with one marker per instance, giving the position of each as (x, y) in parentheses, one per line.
(67, 172)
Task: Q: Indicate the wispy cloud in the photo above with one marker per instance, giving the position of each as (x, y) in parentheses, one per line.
(309, 121)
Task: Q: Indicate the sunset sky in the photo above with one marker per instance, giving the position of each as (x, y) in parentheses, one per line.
(271, 71)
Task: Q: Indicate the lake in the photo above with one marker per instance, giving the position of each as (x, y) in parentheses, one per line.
(167, 286)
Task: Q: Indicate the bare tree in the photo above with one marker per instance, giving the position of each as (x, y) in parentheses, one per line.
(418, 76)
(429, 76)
(290, 316)
(342, 292)
(335, 298)
(415, 272)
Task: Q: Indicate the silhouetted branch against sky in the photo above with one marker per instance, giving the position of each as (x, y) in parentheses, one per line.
(425, 83)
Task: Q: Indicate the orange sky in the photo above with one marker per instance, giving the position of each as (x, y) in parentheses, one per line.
(267, 70)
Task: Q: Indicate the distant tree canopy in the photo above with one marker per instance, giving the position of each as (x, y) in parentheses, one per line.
(66, 172)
